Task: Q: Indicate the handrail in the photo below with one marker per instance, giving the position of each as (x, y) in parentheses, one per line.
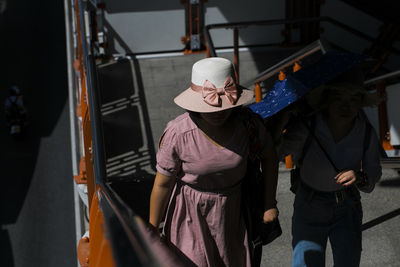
(132, 234)
(99, 161)
(82, 30)
(236, 25)
(383, 77)
(306, 51)
(246, 24)
(265, 74)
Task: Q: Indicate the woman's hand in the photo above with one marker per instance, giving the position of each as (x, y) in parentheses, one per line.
(270, 215)
(346, 177)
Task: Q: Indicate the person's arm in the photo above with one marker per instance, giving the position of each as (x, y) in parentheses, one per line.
(168, 165)
(269, 164)
(292, 141)
(371, 165)
(159, 197)
(371, 172)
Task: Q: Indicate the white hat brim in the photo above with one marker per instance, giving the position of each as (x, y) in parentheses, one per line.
(193, 101)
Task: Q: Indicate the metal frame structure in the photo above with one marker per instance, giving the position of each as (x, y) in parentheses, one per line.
(116, 234)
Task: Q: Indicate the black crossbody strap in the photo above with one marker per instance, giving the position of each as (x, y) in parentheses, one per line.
(307, 143)
(320, 145)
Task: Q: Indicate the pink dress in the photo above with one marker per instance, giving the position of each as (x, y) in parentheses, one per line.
(204, 219)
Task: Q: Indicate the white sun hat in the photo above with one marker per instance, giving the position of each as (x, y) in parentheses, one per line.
(213, 87)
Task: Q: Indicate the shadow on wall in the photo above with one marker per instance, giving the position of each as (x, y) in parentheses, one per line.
(129, 144)
(115, 39)
(33, 57)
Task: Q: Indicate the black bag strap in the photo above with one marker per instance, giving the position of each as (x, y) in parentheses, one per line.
(307, 143)
(366, 142)
(311, 132)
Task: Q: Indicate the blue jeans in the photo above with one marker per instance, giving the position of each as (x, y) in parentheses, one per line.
(318, 216)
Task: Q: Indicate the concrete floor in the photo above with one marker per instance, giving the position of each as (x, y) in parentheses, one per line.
(164, 78)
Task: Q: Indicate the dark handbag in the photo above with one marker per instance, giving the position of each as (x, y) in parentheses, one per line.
(294, 179)
(253, 203)
(259, 233)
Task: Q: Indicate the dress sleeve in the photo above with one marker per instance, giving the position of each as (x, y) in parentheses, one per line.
(371, 163)
(168, 161)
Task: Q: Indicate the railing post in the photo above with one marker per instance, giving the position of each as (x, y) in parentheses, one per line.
(194, 24)
(296, 67)
(236, 52)
(282, 75)
(289, 162)
(257, 92)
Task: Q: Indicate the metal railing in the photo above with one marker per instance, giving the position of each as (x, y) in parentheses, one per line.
(239, 25)
(384, 77)
(117, 236)
(312, 48)
(304, 52)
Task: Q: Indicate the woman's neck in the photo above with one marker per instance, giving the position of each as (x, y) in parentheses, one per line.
(210, 128)
(219, 133)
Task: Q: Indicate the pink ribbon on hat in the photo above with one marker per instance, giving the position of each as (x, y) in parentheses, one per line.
(211, 94)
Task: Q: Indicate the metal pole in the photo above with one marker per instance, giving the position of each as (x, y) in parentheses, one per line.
(236, 52)
(71, 87)
(79, 225)
(383, 77)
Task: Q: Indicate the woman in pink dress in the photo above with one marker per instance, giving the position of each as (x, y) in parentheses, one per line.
(201, 162)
